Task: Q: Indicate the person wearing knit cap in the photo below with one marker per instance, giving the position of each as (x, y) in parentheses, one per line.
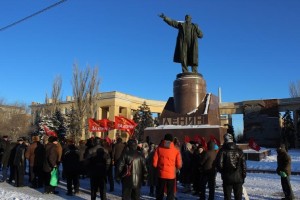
(167, 160)
(231, 163)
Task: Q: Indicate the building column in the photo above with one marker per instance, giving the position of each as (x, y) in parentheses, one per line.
(112, 112)
(99, 113)
(128, 113)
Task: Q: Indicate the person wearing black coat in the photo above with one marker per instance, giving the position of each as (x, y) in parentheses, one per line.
(231, 163)
(11, 162)
(71, 167)
(19, 163)
(131, 185)
(98, 162)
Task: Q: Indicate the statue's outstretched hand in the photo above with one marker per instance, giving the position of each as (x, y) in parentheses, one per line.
(162, 15)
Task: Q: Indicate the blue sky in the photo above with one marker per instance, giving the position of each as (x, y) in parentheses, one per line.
(250, 48)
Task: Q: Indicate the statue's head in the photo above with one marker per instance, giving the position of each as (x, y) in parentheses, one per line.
(188, 18)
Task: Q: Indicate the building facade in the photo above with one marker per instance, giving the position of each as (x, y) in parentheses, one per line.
(108, 105)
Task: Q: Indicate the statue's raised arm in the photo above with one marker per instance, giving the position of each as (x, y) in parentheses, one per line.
(186, 50)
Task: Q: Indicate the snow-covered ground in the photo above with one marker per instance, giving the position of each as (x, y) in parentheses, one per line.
(258, 185)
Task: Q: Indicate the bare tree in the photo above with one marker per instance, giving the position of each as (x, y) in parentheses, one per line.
(93, 87)
(15, 120)
(85, 89)
(294, 88)
(52, 103)
(56, 93)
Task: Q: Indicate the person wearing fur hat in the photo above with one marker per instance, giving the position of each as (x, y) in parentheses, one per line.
(19, 162)
(231, 163)
(284, 171)
(35, 155)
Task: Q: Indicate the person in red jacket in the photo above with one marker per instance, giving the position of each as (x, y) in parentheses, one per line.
(167, 160)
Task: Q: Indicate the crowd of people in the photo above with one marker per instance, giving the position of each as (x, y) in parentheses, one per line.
(132, 164)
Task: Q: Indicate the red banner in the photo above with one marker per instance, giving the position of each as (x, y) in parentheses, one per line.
(125, 124)
(215, 140)
(102, 125)
(49, 132)
(253, 145)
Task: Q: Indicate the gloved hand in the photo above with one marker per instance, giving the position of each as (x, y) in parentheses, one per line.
(283, 174)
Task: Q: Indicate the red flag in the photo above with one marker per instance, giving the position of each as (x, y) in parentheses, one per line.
(125, 124)
(215, 140)
(49, 132)
(253, 145)
(186, 139)
(203, 142)
(99, 125)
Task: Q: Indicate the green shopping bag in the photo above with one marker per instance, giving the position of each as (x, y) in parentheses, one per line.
(54, 177)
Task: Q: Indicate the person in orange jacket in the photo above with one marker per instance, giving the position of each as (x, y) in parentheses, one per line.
(167, 160)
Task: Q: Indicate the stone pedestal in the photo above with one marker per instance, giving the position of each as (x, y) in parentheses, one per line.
(191, 112)
(189, 89)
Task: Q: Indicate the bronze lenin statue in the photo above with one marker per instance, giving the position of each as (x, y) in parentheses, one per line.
(186, 50)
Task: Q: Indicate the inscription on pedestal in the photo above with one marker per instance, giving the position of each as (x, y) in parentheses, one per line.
(184, 120)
